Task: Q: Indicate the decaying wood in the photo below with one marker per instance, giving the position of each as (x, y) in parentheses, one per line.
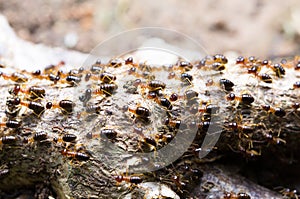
(41, 167)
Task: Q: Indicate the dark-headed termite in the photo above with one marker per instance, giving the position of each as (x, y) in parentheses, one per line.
(220, 59)
(107, 77)
(109, 134)
(97, 67)
(265, 78)
(104, 77)
(164, 102)
(11, 124)
(265, 62)
(140, 111)
(115, 63)
(130, 179)
(34, 91)
(37, 137)
(252, 59)
(296, 85)
(274, 139)
(244, 98)
(240, 60)
(276, 111)
(65, 138)
(76, 155)
(132, 71)
(166, 138)
(223, 83)
(202, 63)
(77, 71)
(242, 128)
(186, 78)
(73, 80)
(72, 72)
(65, 105)
(279, 70)
(173, 97)
(254, 69)
(53, 68)
(185, 65)
(106, 89)
(8, 140)
(129, 60)
(147, 141)
(36, 107)
(236, 196)
(155, 85)
(173, 123)
(209, 109)
(51, 77)
(218, 66)
(226, 84)
(95, 108)
(88, 77)
(153, 95)
(204, 125)
(16, 77)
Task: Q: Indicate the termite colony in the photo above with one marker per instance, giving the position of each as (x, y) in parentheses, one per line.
(141, 108)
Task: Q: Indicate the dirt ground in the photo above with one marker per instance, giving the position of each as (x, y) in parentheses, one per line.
(262, 28)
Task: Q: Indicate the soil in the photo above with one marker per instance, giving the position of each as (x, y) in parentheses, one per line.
(262, 28)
